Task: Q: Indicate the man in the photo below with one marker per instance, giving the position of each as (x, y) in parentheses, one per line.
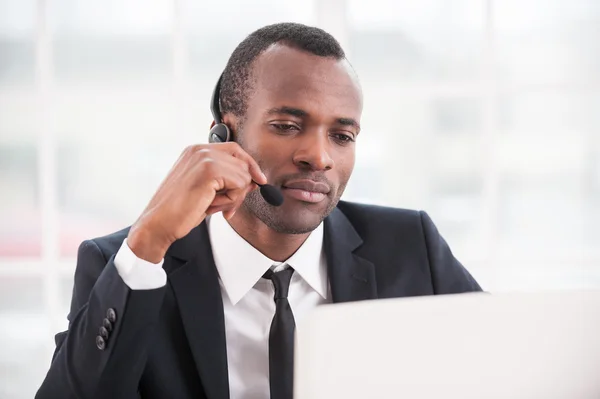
(199, 298)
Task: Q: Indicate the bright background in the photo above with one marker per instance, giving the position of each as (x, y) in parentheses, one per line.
(485, 113)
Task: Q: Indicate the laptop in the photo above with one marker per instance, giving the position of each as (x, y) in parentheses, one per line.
(476, 345)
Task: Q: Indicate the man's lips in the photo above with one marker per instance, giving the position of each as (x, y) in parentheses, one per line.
(308, 185)
(306, 190)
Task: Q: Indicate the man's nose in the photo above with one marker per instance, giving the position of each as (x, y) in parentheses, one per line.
(314, 152)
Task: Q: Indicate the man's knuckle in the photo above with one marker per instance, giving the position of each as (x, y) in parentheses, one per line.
(209, 165)
(193, 149)
(203, 151)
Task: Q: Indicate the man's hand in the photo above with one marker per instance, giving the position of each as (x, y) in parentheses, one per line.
(205, 179)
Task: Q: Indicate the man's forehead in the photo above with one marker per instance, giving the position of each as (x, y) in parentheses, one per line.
(281, 65)
(285, 73)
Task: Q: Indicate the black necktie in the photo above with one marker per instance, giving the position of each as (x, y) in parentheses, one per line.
(281, 337)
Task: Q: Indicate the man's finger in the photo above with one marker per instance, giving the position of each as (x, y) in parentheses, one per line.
(255, 171)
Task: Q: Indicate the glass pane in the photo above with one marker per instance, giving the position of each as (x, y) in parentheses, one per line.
(547, 40)
(25, 339)
(20, 230)
(549, 112)
(21, 295)
(111, 41)
(17, 51)
(454, 163)
(204, 18)
(212, 33)
(66, 292)
(456, 205)
(367, 182)
(545, 215)
(111, 158)
(433, 40)
(549, 155)
(423, 152)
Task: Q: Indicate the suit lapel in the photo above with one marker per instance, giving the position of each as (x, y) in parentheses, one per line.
(196, 287)
(351, 277)
(193, 276)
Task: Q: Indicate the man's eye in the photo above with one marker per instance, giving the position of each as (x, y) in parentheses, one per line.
(284, 127)
(343, 138)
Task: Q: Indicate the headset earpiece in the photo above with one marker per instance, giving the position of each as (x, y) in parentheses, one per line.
(219, 133)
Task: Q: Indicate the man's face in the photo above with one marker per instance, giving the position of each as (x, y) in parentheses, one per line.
(301, 125)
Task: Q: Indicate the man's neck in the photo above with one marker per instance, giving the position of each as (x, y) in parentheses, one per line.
(276, 246)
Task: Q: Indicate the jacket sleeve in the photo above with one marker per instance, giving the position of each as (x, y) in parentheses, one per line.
(448, 275)
(84, 364)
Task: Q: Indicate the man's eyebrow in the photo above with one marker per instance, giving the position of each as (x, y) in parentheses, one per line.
(299, 113)
(288, 111)
(349, 122)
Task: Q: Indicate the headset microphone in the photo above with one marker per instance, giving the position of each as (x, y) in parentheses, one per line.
(220, 133)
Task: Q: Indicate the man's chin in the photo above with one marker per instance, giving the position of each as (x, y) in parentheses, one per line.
(294, 228)
(301, 221)
(292, 217)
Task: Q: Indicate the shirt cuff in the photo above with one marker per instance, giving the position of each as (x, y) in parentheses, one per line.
(139, 274)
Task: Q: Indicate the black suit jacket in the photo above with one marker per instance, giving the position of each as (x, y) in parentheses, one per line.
(170, 342)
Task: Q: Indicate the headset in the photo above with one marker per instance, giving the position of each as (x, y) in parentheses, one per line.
(220, 132)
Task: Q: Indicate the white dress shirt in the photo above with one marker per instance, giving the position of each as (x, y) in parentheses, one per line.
(247, 298)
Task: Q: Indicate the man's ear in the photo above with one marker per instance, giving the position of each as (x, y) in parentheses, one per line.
(232, 123)
(230, 120)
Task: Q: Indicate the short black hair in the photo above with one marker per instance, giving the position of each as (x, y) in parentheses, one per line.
(236, 85)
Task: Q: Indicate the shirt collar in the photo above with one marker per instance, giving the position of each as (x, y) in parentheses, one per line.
(241, 266)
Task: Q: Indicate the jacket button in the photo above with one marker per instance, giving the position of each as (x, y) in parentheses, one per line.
(100, 343)
(111, 315)
(107, 324)
(103, 333)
